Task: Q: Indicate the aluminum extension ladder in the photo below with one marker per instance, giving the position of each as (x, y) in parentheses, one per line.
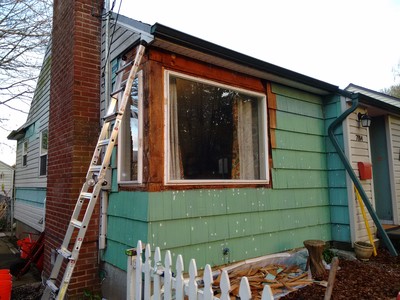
(95, 180)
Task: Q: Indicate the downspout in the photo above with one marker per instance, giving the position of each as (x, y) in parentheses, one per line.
(353, 175)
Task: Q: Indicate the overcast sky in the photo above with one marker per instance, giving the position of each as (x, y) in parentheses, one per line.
(340, 41)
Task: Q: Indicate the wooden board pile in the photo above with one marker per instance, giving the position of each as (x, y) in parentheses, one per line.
(280, 278)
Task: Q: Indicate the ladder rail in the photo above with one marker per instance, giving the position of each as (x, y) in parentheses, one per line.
(91, 188)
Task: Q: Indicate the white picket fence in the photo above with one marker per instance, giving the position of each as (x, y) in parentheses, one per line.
(154, 280)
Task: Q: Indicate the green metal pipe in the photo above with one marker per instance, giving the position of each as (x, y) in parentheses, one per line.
(353, 175)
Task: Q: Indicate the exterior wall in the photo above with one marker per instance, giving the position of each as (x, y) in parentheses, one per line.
(359, 151)
(73, 131)
(29, 185)
(338, 199)
(6, 180)
(394, 138)
(250, 221)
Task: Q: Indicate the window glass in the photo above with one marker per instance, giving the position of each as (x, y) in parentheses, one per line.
(25, 153)
(43, 153)
(215, 132)
(129, 144)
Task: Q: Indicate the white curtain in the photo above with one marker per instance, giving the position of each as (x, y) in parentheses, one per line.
(245, 140)
(175, 157)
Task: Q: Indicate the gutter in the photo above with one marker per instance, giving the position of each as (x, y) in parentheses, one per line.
(353, 175)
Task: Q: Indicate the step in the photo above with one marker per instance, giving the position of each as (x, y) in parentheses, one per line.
(52, 286)
(76, 223)
(65, 253)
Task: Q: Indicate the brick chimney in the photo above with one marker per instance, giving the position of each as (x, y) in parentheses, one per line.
(73, 131)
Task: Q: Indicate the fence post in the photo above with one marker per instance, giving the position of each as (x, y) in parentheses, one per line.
(138, 271)
(134, 272)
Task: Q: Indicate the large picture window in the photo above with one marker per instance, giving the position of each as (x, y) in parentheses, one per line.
(215, 133)
(130, 137)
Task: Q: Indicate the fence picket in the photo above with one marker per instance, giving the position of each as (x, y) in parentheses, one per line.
(179, 283)
(157, 276)
(138, 288)
(244, 289)
(208, 280)
(147, 272)
(192, 286)
(168, 276)
(267, 293)
(225, 286)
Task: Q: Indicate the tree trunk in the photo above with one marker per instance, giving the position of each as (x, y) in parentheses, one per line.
(314, 261)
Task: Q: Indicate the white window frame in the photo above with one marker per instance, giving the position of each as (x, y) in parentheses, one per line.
(25, 146)
(263, 137)
(140, 139)
(41, 152)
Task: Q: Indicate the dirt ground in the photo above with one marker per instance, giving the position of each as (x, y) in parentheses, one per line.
(378, 278)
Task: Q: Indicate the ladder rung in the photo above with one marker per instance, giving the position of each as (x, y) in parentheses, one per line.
(65, 253)
(95, 168)
(111, 117)
(116, 92)
(103, 142)
(52, 286)
(86, 195)
(76, 223)
(124, 67)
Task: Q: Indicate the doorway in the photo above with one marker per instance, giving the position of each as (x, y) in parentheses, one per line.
(380, 170)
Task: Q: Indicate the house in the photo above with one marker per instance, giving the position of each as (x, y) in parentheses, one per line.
(6, 180)
(379, 146)
(31, 157)
(221, 157)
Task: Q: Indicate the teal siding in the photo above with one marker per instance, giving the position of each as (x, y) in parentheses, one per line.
(249, 222)
(31, 196)
(340, 227)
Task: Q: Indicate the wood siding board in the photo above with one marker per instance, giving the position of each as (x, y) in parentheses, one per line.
(299, 107)
(286, 179)
(134, 230)
(341, 233)
(338, 196)
(299, 141)
(289, 159)
(295, 93)
(129, 205)
(301, 124)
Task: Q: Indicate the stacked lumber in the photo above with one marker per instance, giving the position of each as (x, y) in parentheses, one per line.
(280, 278)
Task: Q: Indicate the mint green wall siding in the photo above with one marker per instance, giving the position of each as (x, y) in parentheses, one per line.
(249, 222)
(337, 176)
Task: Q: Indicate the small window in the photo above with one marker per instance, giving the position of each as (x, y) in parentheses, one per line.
(216, 133)
(25, 153)
(43, 153)
(130, 137)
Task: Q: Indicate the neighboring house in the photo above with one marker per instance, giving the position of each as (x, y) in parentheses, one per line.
(222, 156)
(6, 180)
(31, 160)
(379, 146)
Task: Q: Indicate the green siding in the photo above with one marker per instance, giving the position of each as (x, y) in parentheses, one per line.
(340, 227)
(249, 221)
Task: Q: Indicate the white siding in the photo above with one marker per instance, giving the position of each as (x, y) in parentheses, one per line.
(394, 138)
(6, 179)
(38, 119)
(29, 215)
(360, 152)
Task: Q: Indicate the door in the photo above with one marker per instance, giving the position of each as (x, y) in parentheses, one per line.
(380, 170)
